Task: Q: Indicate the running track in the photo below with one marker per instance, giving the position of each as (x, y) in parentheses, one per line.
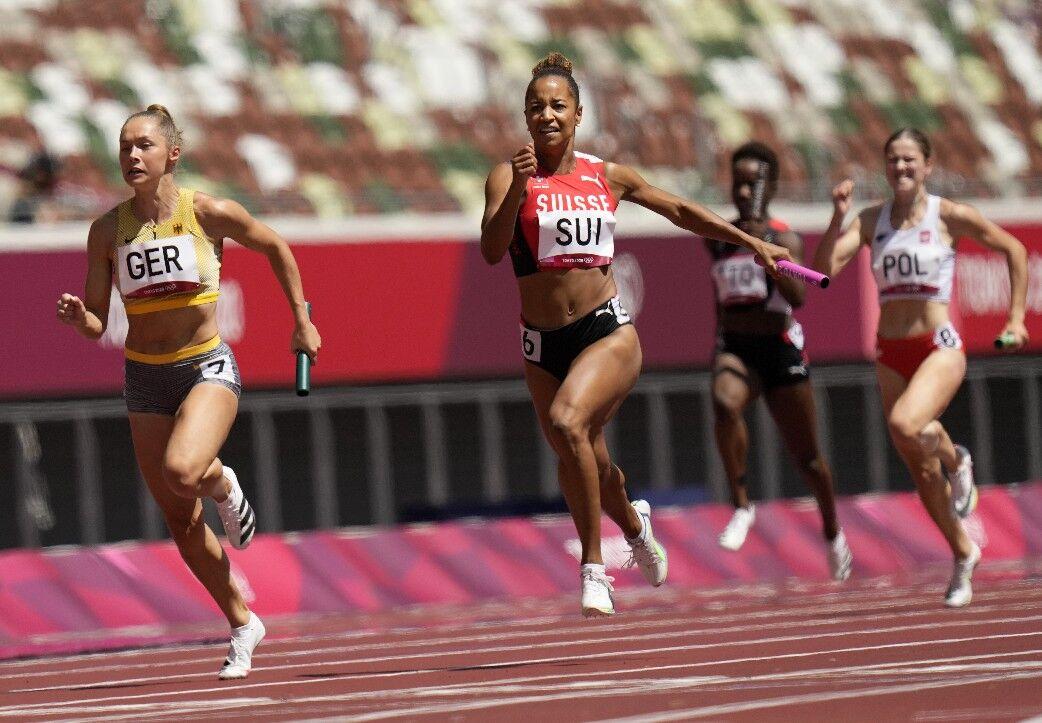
(872, 650)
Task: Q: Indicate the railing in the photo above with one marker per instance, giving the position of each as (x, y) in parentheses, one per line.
(381, 455)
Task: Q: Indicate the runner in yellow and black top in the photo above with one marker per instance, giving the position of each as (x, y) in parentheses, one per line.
(162, 248)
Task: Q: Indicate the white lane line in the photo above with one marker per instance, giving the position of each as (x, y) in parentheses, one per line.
(597, 636)
(875, 599)
(659, 687)
(614, 640)
(21, 709)
(672, 602)
(822, 697)
(639, 685)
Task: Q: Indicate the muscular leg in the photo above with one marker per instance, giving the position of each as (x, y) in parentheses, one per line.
(190, 465)
(199, 547)
(598, 380)
(911, 408)
(792, 407)
(733, 389)
(614, 500)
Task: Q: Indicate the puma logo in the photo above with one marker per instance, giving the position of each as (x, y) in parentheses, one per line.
(603, 311)
(592, 179)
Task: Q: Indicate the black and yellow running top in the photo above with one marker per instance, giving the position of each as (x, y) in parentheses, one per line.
(168, 265)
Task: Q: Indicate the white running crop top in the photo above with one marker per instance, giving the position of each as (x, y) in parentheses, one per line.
(913, 263)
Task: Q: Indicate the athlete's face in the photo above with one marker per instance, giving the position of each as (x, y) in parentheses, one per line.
(744, 175)
(906, 166)
(144, 155)
(551, 112)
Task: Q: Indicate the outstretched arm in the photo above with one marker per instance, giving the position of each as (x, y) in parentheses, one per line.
(964, 220)
(694, 217)
(90, 314)
(838, 246)
(222, 218)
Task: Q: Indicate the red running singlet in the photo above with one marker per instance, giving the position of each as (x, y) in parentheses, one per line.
(566, 221)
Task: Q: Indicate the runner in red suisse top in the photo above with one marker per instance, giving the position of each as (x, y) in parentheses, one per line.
(553, 208)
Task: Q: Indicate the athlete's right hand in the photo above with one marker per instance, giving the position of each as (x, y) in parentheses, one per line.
(71, 310)
(524, 164)
(843, 196)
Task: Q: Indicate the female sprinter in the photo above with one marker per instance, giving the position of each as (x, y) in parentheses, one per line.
(163, 246)
(760, 348)
(553, 208)
(920, 362)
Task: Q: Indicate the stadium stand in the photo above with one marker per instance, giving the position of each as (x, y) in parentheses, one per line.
(332, 108)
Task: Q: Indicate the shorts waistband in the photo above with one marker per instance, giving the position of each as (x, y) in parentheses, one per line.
(180, 355)
(594, 310)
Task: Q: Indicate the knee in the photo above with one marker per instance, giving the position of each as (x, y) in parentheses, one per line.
(813, 465)
(726, 408)
(569, 424)
(904, 431)
(930, 437)
(181, 476)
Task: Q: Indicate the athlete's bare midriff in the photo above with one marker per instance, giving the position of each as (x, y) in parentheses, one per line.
(903, 318)
(554, 298)
(169, 331)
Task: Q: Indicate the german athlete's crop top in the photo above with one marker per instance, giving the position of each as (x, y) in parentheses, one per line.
(742, 283)
(168, 265)
(567, 220)
(913, 263)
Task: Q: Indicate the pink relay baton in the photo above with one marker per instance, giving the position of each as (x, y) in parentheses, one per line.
(802, 273)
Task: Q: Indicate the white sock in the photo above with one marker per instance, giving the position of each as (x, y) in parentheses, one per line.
(592, 567)
(242, 629)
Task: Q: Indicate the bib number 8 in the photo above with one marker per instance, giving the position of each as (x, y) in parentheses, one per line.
(948, 338)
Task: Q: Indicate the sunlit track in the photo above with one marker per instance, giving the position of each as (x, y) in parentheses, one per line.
(749, 653)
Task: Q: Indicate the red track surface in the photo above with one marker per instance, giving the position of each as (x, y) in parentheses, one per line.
(871, 650)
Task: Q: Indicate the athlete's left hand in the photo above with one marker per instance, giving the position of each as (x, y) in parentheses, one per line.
(306, 339)
(1017, 332)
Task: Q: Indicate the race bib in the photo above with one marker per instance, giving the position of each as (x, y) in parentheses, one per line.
(576, 239)
(947, 338)
(157, 267)
(531, 344)
(738, 280)
(794, 335)
(219, 367)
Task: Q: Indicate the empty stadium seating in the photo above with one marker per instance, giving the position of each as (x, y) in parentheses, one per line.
(339, 107)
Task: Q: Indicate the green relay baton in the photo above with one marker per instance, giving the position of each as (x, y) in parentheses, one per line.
(1005, 341)
(304, 367)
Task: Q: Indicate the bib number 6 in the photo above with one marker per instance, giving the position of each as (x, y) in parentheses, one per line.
(531, 344)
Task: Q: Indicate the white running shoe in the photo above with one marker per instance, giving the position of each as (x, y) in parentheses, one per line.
(597, 598)
(240, 654)
(236, 514)
(963, 486)
(645, 551)
(733, 536)
(840, 557)
(959, 590)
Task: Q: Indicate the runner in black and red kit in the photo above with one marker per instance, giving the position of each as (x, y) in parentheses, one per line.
(760, 350)
(554, 209)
